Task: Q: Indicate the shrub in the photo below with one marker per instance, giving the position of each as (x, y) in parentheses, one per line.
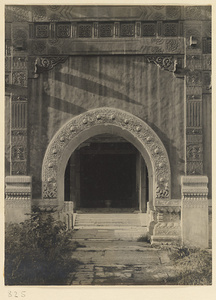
(38, 251)
(192, 266)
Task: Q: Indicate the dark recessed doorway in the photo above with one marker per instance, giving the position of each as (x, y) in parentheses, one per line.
(108, 180)
(107, 172)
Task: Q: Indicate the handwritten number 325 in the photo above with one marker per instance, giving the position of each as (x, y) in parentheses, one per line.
(16, 294)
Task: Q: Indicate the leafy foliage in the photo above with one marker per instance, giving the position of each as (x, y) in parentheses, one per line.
(192, 266)
(38, 251)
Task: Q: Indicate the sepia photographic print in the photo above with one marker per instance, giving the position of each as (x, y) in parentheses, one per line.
(108, 160)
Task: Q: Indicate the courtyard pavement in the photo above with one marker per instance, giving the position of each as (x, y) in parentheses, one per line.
(119, 262)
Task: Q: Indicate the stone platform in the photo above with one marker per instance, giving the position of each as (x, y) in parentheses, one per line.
(118, 262)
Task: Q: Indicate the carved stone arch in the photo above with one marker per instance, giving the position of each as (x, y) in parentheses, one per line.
(99, 121)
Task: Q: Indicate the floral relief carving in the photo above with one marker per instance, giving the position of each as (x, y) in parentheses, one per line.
(118, 118)
(162, 191)
(49, 190)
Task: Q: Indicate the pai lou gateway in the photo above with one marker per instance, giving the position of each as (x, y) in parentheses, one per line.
(108, 118)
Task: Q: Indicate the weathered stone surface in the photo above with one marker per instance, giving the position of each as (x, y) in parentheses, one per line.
(121, 262)
(195, 211)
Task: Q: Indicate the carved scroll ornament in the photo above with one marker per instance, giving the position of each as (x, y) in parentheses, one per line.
(43, 64)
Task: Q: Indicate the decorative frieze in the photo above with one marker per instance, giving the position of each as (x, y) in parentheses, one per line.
(105, 29)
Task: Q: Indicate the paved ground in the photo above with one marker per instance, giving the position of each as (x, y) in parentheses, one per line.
(114, 262)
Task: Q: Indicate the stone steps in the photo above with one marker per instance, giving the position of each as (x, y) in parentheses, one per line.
(110, 226)
(108, 221)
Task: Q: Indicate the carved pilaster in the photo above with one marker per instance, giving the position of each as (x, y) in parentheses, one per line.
(18, 135)
(195, 211)
(196, 82)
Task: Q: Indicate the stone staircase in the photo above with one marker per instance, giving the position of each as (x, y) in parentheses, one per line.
(112, 226)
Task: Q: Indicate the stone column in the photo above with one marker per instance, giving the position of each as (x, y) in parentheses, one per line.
(195, 211)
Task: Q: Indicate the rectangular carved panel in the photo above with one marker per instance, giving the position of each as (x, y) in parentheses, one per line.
(42, 31)
(194, 152)
(170, 29)
(19, 78)
(19, 63)
(85, 30)
(194, 168)
(149, 29)
(19, 135)
(19, 168)
(127, 29)
(18, 153)
(106, 30)
(194, 114)
(19, 115)
(63, 30)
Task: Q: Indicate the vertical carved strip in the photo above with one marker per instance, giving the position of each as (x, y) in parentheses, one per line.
(52, 30)
(18, 136)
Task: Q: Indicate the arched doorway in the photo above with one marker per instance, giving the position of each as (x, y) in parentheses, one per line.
(106, 173)
(105, 121)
